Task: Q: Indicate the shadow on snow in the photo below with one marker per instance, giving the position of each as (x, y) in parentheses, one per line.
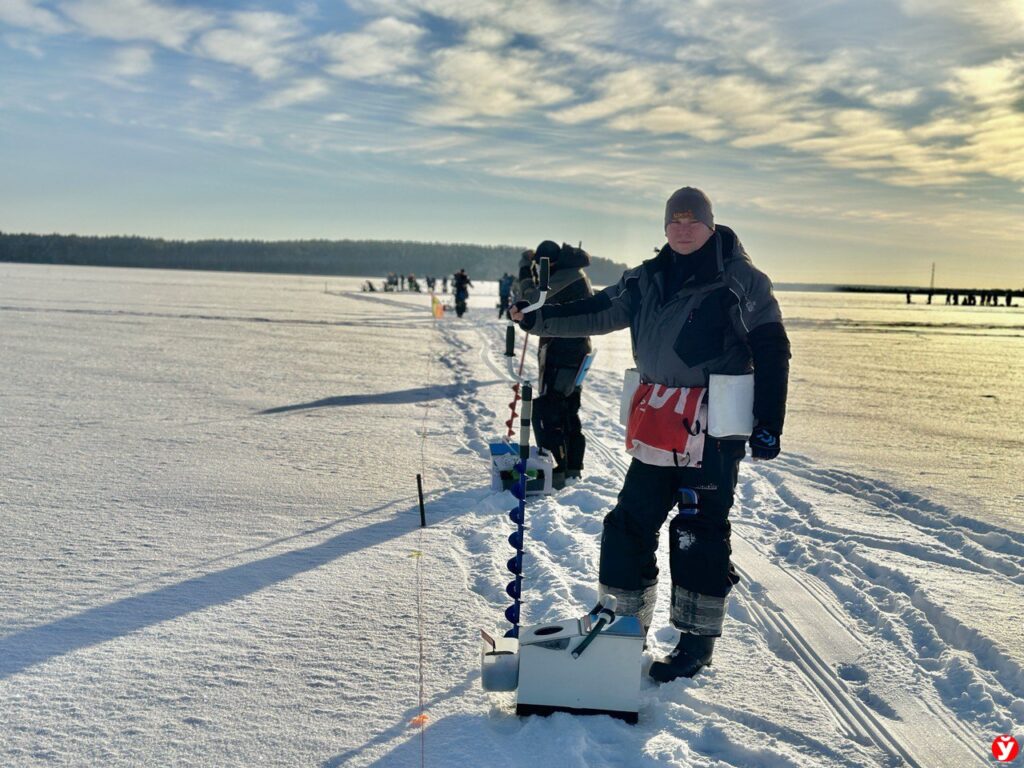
(400, 397)
(36, 645)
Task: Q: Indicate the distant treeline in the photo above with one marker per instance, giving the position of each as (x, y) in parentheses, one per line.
(318, 257)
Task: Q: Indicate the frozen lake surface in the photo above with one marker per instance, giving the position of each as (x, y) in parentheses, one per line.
(212, 554)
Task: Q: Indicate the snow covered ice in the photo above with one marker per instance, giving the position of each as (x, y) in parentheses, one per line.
(212, 554)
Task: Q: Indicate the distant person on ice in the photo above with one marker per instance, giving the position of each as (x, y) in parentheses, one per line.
(699, 307)
(460, 287)
(556, 419)
(504, 293)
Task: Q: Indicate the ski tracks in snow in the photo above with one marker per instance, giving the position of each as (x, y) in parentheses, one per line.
(898, 565)
(767, 610)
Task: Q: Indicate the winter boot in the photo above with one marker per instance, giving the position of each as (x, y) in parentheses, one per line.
(558, 479)
(691, 654)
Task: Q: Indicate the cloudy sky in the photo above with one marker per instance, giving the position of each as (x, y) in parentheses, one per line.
(854, 141)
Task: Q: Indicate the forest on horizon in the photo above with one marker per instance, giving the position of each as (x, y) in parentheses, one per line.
(317, 257)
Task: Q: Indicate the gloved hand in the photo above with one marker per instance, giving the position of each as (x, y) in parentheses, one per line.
(764, 444)
(527, 321)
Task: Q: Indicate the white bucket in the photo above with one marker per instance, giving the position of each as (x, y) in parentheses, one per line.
(731, 406)
(499, 664)
(630, 381)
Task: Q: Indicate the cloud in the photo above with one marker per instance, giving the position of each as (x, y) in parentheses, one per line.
(866, 142)
(702, 82)
(616, 92)
(229, 134)
(994, 84)
(781, 132)
(259, 41)
(167, 25)
(28, 15)
(1001, 20)
(539, 18)
(25, 44)
(668, 119)
(487, 37)
(213, 86)
(300, 91)
(990, 106)
(384, 50)
(949, 217)
(668, 99)
(131, 62)
(473, 83)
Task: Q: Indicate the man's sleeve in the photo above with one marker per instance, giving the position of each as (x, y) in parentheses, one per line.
(610, 309)
(761, 321)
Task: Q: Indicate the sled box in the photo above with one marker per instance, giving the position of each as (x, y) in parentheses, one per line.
(603, 680)
(539, 467)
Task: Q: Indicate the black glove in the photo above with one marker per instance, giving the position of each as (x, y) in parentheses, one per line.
(529, 319)
(764, 444)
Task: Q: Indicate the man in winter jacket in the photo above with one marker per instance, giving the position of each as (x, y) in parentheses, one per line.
(700, 307)
(556, 420)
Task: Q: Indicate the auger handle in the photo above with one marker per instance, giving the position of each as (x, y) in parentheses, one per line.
(524, 423)
(545, 273)
(606, 612)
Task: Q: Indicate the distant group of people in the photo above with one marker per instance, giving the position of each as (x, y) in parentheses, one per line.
(983, 299)
(398, 282)
(973, 299)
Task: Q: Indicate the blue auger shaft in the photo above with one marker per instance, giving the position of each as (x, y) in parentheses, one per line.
(513, 611)
(515, 564)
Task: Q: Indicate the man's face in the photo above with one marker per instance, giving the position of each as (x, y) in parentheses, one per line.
(686, 235)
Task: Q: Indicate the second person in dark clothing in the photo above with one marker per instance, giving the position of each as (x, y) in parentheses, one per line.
(504, 292)
(556, 419)
(460, 286)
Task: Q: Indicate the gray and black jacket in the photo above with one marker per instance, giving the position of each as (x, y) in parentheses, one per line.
(724, 319)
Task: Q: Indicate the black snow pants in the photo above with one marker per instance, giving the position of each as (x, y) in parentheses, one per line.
(556, 422)
(700, 549)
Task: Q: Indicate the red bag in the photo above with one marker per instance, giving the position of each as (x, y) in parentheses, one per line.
(667, 425)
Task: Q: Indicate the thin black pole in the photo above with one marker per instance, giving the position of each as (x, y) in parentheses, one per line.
(423, 512)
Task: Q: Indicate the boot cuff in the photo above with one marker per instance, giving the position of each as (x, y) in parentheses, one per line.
(633, 602)
(697, 614)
